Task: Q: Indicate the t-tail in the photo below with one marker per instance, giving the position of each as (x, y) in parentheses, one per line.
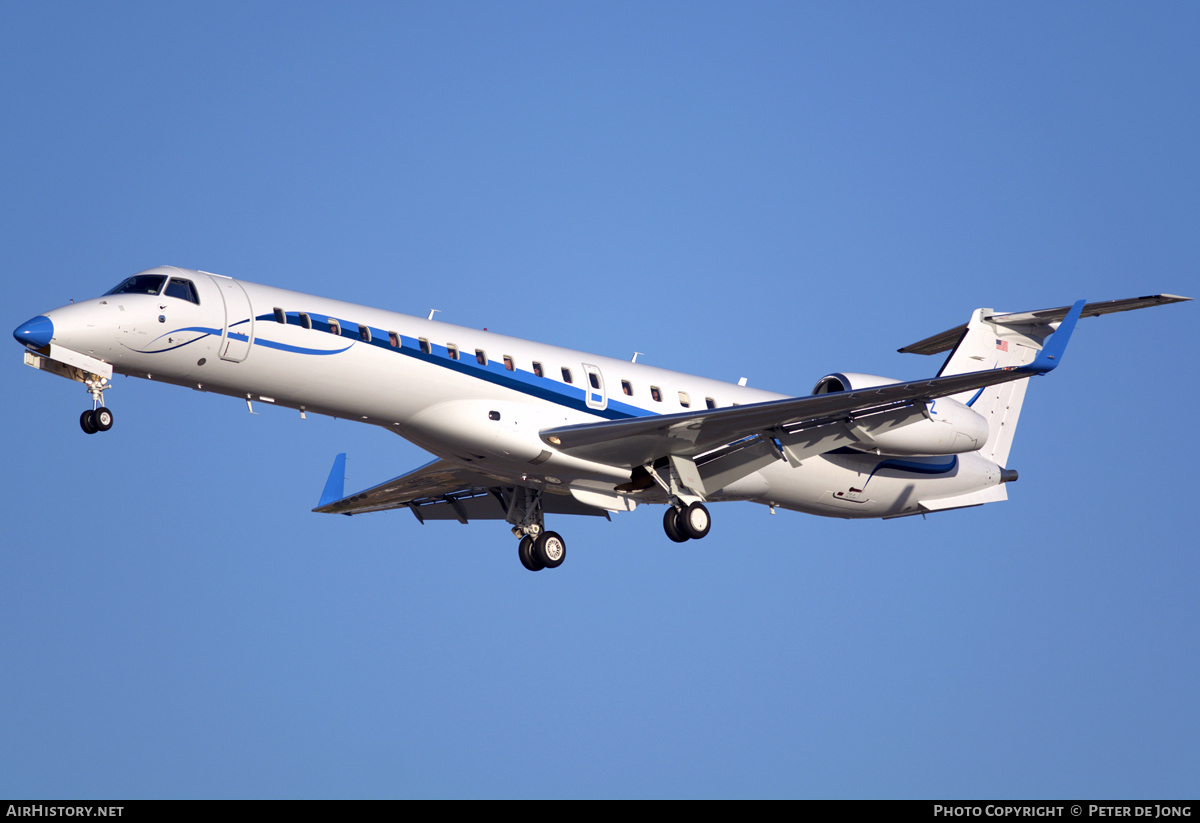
(1027, 340)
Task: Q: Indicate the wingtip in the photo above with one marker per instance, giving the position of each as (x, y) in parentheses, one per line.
(1051, 354)
(335, 486)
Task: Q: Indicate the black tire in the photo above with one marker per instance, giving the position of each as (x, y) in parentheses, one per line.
(87, 423)
(527, 555)
(695, 521)
(550, 549)
(672, 527)
(103, 419)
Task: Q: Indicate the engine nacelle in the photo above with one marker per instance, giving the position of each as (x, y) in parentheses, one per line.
(848, 381)
(945, 426)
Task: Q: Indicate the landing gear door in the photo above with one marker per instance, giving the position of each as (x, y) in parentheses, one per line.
(596, 396)
(238, 333)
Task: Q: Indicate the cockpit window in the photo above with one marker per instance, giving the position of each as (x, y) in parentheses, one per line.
(141, 284)
(183, 289)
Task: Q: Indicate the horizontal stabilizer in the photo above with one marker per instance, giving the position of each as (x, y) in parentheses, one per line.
(949, 339)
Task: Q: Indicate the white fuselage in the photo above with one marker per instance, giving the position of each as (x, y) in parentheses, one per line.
(467, 395)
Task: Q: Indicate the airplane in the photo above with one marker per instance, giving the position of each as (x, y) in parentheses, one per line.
(521, 429)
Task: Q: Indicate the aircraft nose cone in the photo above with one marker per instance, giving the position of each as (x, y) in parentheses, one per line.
(36, 332)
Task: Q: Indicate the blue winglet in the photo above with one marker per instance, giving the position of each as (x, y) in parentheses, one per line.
(335, 486)
(1051, 353)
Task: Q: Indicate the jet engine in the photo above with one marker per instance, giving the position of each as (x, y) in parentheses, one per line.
(940, 426)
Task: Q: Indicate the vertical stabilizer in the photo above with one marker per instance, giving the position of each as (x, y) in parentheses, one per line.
(989, 345)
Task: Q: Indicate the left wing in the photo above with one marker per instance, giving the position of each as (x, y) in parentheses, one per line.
(802, 426)
(440, 490)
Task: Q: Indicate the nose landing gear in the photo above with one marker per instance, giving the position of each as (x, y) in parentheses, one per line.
(99, 418)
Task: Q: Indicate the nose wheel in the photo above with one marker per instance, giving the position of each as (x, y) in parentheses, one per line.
(97, 420)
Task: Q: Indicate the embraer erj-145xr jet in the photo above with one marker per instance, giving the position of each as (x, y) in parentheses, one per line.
(522, 429)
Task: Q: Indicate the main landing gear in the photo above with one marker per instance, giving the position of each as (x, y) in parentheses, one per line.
(98, 419)
(686, 522)
(538, 549)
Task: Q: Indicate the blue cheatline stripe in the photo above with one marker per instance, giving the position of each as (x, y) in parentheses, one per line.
(205, 332)
(270, 344)
(914, 467)
(570, 396)
(518, 380)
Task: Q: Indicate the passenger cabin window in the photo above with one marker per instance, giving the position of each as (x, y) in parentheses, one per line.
(656, 394)
(537, 369)
(452, 350)
(508, 363)
(708, 401)
(184, 290)
(684, 400)
(566, 375)
(364, 334)
(394, 340)
(480, 357)
(334, 327)
(305, 320)
(627, 387)
(425, 348)
(280, 317)
(594, 379)
(141, 284)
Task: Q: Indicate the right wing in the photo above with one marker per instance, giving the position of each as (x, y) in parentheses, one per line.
(802, 426)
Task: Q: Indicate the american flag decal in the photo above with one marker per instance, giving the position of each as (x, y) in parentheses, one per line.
(1002, 345)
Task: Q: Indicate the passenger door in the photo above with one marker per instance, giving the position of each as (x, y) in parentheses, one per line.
(596, 397)
(237, 336)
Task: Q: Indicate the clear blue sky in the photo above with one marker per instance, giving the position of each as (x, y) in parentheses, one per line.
(775, 191)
